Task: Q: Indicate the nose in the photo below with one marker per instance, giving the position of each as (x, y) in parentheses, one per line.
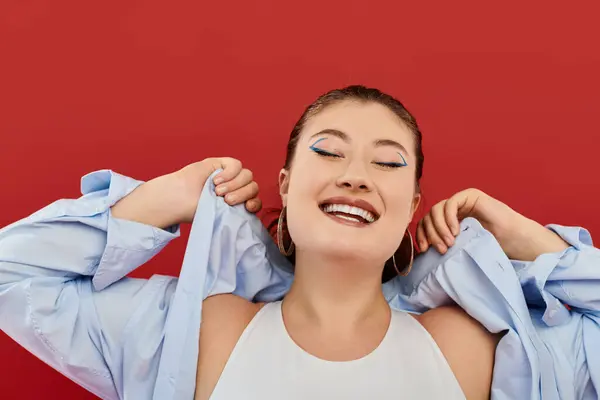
(355, 178)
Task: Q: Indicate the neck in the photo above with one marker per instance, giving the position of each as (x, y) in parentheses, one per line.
(335, 293)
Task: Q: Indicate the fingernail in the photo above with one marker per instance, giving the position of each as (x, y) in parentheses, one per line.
(218, 180)
(449, 240)
(221, 189)
(423, 245)
(230, 198)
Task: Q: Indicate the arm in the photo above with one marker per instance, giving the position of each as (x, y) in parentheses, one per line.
(55, 300)
(476, 275)
(552, 266)
(556, 265)
(63, 291)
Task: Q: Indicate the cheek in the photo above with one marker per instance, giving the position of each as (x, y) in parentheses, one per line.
(303, 213)
(398, 198)
(305, 182)
(300, 191)
(397, 218)
(398, 190)
(302, 219)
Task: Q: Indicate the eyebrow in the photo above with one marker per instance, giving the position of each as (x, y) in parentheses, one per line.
(344, 136)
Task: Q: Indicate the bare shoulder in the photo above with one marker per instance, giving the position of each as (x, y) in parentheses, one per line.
(468, 347)
(224, 318)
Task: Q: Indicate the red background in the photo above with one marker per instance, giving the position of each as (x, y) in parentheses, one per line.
(507, 97)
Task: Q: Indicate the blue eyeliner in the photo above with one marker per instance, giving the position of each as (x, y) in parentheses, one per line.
(385, 164)
(403, 163)
(312, 146)
(322, 152)
(394, 164)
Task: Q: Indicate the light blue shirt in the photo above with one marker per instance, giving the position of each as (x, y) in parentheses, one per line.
(65, 297)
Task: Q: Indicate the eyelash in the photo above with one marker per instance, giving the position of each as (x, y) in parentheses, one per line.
(390, 164)
(324, 153)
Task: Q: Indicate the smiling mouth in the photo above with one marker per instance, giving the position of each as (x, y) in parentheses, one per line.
(349, 213)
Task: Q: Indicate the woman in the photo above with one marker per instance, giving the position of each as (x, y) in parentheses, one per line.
(349, 188)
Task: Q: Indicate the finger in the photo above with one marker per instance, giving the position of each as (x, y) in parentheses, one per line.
(451, 213)
(422, 237)
(231, 168)
(243, 178)
(441, 226)
(254, 205)
(432, 235)
(242, 195)
(465, 201)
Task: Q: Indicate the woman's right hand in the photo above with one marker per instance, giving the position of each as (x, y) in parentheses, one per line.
(234, 183)
(173, 198)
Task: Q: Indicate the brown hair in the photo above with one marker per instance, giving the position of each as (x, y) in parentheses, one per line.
(365, 95)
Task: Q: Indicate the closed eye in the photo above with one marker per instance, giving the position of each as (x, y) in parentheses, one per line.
(390, 164)
(324, 153)
(393, 164)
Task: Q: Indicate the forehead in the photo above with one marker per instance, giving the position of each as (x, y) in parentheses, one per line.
(361, 121)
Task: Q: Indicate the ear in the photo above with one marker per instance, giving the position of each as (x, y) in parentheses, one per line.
(415, 205)
(284, 183)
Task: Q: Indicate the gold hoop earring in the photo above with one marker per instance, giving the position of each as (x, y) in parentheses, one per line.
(412, 256)
(280, 244)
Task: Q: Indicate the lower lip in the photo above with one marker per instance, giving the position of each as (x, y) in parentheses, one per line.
(345, 221)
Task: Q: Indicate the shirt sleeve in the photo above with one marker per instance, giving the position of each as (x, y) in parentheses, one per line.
(570, 277)
(65, 297)
(563, 288)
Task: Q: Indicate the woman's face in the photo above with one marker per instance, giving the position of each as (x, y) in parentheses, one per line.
(350, 193)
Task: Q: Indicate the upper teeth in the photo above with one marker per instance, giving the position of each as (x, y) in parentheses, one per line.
(346, 209)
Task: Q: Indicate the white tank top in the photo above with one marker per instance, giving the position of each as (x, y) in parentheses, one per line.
(266, 364)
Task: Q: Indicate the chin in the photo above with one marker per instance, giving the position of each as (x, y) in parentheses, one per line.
(332, 239)
(343, 247)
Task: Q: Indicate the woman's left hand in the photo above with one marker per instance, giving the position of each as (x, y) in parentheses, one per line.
(521, 238)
